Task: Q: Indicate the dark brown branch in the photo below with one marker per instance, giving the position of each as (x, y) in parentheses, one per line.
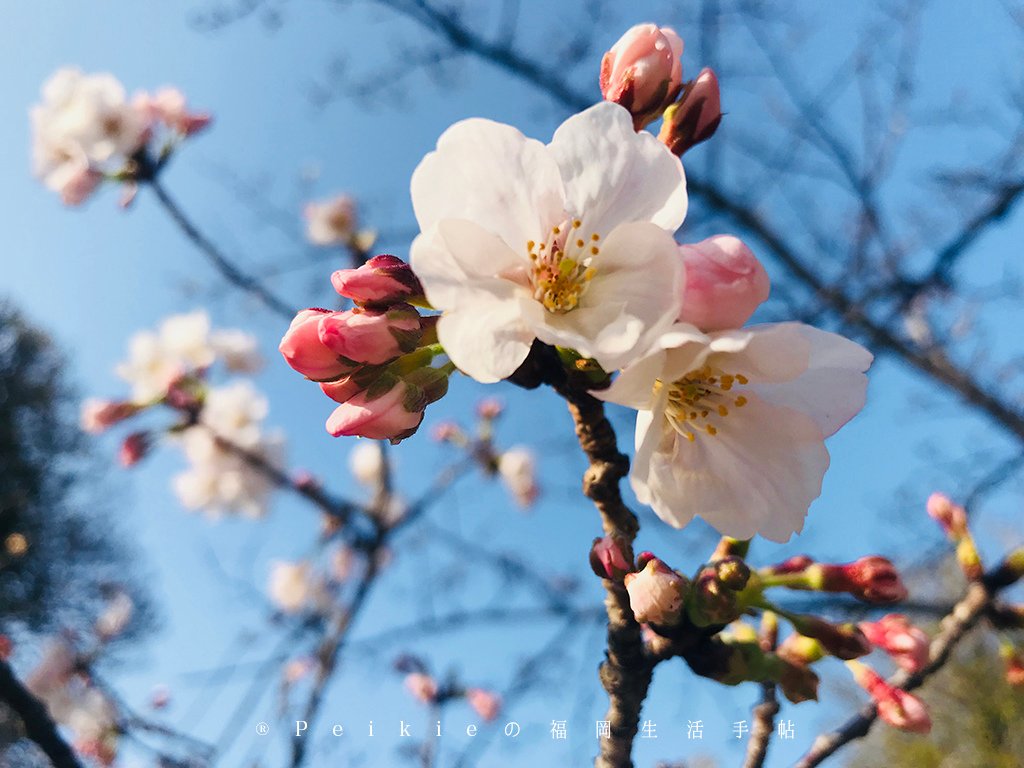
(974, 605)
(227, 268)
(39, 726)
(768, 708)
(626, 672)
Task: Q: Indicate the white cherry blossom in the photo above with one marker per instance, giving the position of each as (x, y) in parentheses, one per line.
(569, 242)
(731, 425)
(83, 120)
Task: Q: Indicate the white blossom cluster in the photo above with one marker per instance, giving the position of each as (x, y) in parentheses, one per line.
(228, 453)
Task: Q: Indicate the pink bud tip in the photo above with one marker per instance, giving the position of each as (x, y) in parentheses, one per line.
(905, 643)
(382, 280)
(607, 559)
(643, 71)
(422, 687)
(724, 283)
(393, 415)
(656, 593)
(952, 517)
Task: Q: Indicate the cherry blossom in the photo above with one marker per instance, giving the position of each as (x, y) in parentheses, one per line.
(569, 243)
(731, 425)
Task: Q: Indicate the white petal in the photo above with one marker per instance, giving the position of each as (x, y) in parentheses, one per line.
(613, 175)
(833, 389)
(491, 174)
(759, 474)
(634, 386)
(774, 352)
(459, 262)
(486, 340)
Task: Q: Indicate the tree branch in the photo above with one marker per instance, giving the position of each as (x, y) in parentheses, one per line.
(39, 726)
(227, 268)
(626, 672)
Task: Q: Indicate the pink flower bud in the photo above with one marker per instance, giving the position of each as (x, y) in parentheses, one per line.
(895, 635)
(724, 283)
(387, 415)
(695, 117)
(484, 703)
(303, 350)
(383, 279)
(370, 336)
(169, 107)
(160, 697)
(607, 559)
(873, 579)
(643, 72)
(489, 409)
(99, 415)
(1014, 668)
(895, 706)
(421, 686)
(134, 448)
(447, 431)
(656, 593)
(331, 222)
(952, 517)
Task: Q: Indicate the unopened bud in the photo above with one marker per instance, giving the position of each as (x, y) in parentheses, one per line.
(712, 601)
(905, 643)
(134, 448)
(489, 409)
(1014, 660)
(872, 579)
(733, 572)
(656, 593)
(800, 649)
(99, 415)
(381, 281)
(607, 559)
(798, 682)
(643, 72)
(952, 517)
(895, 706)
(844, 641)
(696, 116)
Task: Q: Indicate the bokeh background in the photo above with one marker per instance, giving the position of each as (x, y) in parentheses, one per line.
(312, 99)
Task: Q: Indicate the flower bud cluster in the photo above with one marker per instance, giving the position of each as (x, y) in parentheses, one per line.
(374, 359)
(643, 72)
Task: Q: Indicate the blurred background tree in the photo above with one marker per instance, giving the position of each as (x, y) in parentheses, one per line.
(60, 555)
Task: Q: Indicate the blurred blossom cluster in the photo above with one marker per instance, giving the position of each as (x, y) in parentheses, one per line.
(218, 427)
(86, 130)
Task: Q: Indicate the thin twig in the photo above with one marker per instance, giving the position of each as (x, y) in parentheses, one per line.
(227, 268)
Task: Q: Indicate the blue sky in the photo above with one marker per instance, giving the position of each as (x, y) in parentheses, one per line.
(93, 276)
